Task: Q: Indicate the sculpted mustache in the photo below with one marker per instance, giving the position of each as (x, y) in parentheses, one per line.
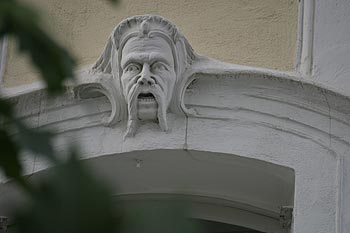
(132, 108)
(135, 90)
(158, 95)
(158, 81)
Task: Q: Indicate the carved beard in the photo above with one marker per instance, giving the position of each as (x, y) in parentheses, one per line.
(133, 101)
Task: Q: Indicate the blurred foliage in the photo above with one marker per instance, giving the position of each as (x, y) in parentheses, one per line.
(68, 199)
(55, 65)
(9, 159)
(71, 200)
(35, 141)
(53, 62)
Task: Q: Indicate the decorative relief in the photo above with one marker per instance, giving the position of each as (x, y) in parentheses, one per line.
(141, 71)
(147, 65)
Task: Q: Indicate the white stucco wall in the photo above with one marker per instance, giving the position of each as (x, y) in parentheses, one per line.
(269, 117)
(331, 64)
(298, 122)
(332, 43)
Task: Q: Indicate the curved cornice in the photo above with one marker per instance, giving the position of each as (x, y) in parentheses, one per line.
(219, 91)
(221, 108)
(207, 66)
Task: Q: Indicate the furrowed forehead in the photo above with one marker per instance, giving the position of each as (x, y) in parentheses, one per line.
(147, 49)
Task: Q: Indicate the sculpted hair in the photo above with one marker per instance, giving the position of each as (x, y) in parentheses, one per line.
(108, 64)
(144, 26)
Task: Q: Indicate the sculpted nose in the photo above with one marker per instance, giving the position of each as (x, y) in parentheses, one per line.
(145, 76)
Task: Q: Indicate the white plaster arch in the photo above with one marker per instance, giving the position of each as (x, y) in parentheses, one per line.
(277, 117)
(210, 183)
(266, 117)
(218, 187)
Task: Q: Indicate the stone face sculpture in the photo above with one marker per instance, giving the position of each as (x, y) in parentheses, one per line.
(146, 57)
(145, 69)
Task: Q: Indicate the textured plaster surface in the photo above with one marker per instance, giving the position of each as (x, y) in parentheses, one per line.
(332, 43)
(284, 122)
(332, 67)
(196, 174)
(249, 32)
(254, 113)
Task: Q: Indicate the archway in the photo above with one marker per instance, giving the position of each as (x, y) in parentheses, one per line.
(221, 188)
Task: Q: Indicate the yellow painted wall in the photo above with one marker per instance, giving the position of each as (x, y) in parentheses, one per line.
(259, 33)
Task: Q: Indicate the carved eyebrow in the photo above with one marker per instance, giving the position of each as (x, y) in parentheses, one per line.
(158, 58)
(129, 61)
(134, 58)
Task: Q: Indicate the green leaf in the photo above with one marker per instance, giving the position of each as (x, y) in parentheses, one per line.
(36, 141)
(53, 62)
(9, 161)
(5, 109)
(69, 200)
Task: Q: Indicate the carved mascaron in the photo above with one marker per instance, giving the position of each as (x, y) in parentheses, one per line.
(141, 70)
(145, 68)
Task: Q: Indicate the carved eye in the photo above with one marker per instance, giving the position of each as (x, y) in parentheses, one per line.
(132, 68)
(158, 66)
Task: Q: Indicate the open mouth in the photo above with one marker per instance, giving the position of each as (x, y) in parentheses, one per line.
(147, 106)
(146, 97)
